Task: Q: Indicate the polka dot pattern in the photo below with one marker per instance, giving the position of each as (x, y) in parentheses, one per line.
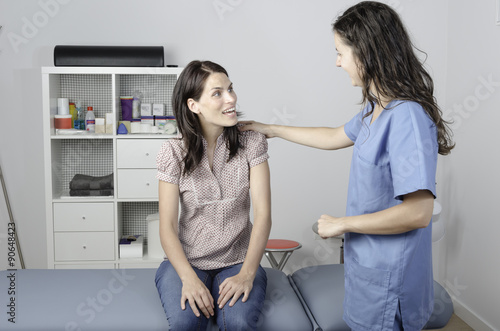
(214, 222)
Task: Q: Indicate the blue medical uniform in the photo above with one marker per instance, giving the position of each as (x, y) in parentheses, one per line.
(393, 156)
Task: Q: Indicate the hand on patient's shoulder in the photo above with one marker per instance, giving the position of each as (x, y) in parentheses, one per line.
(265, 129)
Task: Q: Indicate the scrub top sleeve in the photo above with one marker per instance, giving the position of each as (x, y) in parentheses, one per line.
(168, 165)
(353, 127)
(412, 147)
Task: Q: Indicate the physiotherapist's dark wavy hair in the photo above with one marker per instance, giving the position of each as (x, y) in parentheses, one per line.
(386, 60)
(190, 85)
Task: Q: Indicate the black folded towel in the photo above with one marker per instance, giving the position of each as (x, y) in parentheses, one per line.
(91, 193)
(84, 182)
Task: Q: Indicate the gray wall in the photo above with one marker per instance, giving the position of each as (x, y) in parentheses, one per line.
(281, 57)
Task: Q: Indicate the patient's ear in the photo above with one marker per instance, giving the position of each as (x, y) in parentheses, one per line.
(193, 105)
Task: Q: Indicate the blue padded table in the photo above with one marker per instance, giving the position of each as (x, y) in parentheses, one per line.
(117, 299)
(322, 289)
(126, 299)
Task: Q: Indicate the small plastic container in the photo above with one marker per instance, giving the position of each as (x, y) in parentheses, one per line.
(62, 106)
(62, 121)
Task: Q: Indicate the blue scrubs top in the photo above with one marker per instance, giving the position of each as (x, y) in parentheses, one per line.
(394, 156)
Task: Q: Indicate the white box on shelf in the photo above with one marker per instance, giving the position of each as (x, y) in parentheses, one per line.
(146, 109)
(155, 250)
(158, 109)
(131, 248)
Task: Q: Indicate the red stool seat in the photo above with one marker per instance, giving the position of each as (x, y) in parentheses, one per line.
(280, 246)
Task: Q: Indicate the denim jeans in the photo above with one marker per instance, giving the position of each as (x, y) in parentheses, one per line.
(242, 316)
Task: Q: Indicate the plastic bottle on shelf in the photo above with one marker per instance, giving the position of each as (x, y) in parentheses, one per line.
(80, 121)
(90, 120)
(73, 113)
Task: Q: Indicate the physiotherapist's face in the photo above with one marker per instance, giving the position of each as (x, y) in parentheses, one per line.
(346, 60)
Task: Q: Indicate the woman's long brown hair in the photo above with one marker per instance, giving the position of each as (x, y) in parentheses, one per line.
(387, 62)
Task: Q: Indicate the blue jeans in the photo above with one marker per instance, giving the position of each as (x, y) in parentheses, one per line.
(242, 316)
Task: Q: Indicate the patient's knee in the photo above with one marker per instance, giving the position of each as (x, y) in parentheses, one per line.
(182, 322)
(247, 322)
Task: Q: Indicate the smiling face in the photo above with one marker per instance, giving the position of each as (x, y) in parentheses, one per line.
(347, 61)
(216, 107)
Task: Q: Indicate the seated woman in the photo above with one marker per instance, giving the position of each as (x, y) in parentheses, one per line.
(213, 251)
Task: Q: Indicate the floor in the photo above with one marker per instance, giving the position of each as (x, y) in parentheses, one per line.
(456, 324)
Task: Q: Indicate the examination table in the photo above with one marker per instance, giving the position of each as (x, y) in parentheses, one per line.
(126, 299)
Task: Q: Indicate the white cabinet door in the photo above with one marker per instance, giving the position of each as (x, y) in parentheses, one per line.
(137, 153)
(137, 184)
(83, 216)
(84, 246)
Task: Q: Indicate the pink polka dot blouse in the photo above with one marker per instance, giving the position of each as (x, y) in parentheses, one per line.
(214, 221)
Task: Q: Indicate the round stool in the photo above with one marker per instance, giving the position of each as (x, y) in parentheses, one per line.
(280, 246)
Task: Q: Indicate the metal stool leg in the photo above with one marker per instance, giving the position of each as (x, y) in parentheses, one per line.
(283, 260)
(342, 252)
(272, 260)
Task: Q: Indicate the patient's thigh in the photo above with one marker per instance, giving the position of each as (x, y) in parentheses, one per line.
(169, 287)
(243, 315)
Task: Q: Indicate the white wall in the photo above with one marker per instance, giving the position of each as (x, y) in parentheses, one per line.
(470, 266)
(281, 57)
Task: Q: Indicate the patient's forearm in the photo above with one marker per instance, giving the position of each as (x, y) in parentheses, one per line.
(175, 253)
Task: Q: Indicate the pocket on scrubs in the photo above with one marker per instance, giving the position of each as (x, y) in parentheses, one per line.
(366, 295)
(373, 184)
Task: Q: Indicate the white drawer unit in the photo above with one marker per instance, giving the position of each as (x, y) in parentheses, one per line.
(85, 216)
(84, 225)
(137, 184)
(137, 153)
(84, 246)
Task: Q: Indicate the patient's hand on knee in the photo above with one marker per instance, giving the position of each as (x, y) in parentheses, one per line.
(198, 296)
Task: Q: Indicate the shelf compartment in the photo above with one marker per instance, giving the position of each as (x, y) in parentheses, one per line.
(92, 157)
(154, 88)
(92, 90)
(132, 217)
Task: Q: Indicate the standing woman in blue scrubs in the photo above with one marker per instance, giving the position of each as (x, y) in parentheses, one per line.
(397, 138)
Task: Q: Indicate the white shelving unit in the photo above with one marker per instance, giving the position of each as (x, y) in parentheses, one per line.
(84, 232)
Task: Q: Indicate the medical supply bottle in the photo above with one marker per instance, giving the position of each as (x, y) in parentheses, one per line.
(80, 122)
(73, 113)
(90, 120)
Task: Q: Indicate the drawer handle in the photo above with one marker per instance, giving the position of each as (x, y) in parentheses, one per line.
(147, 154)
(147, 184)
(84, 246)
(83, 218)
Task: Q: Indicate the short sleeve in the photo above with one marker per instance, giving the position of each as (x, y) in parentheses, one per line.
(353, 127)
(255, 146)
(413, 149)
(168, 164)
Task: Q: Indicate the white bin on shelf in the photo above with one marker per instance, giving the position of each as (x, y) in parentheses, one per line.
(154, 245)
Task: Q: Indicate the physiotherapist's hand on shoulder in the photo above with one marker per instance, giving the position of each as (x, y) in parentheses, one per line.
(233, 287)
(265, 129)
(198, 296)
(329, 226)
